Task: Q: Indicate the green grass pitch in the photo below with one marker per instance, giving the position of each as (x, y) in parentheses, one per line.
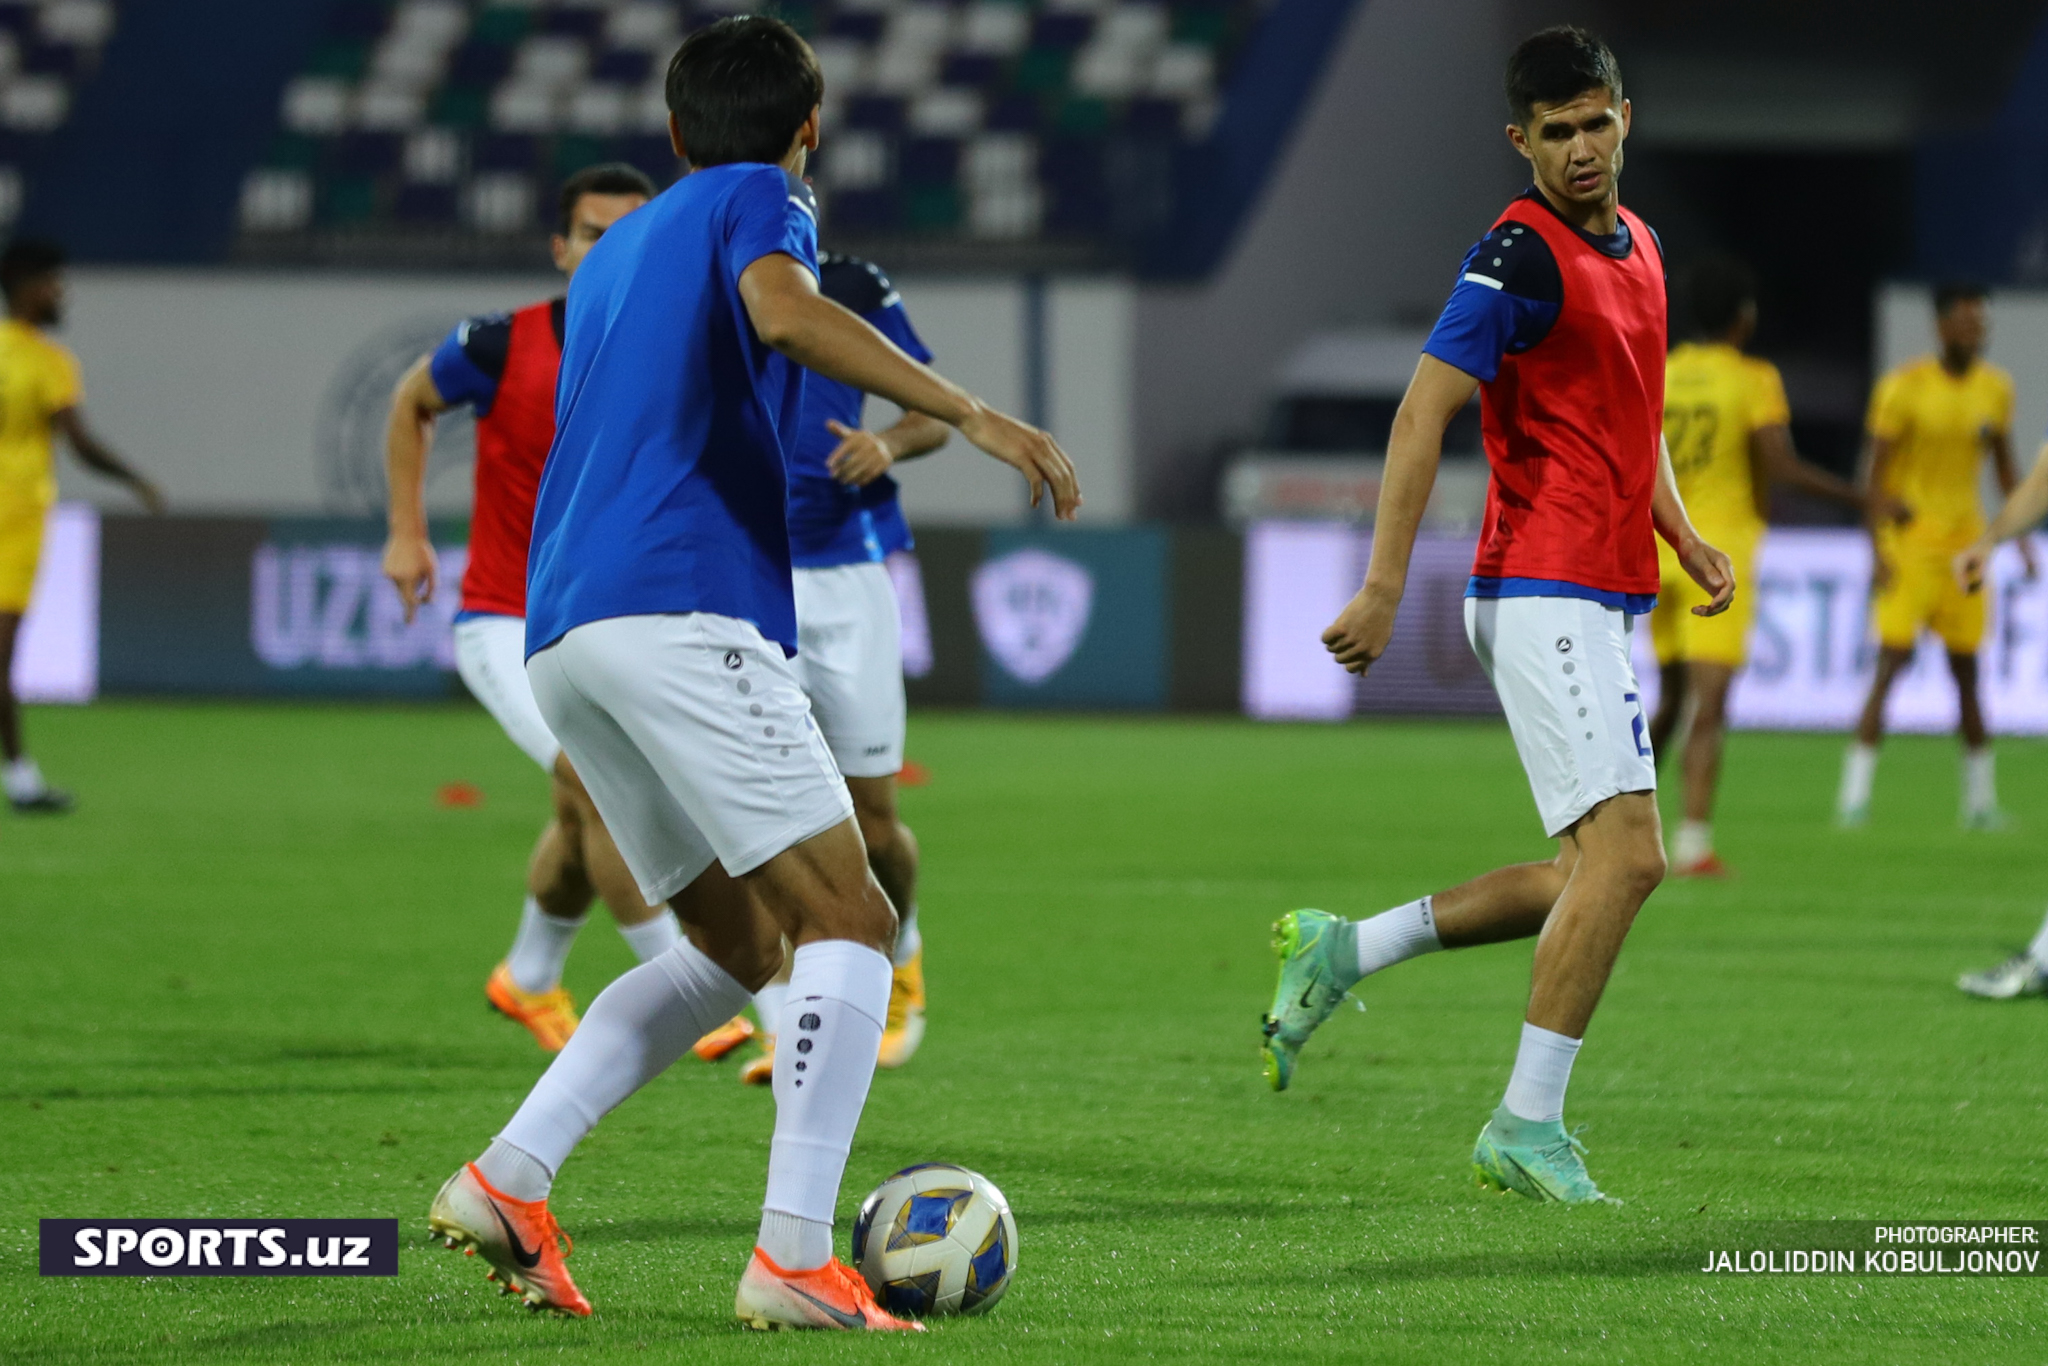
(246, 979)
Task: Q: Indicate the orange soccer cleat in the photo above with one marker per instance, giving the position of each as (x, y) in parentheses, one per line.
(724, 1039)
(550, 1015)
(830, 1296)
(760, 1071)
(519, 1238)
(903, 1030)
(1706, 866)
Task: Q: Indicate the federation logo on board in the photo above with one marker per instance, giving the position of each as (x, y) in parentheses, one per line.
(1032, 608)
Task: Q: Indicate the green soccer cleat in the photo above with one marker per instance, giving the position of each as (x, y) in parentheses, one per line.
(1540, 1161)
(1314, 980)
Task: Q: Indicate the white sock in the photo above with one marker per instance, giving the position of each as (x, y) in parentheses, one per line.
(2038, 950)
(23, 780)
(540, 948)
(1980, 781)
(1695, 841)
(1543, 1067)
(635, 1028)
(768, 1003)
(515, 1171)
(1859, 768)
(650, 939)
(793, 1243)
(824, 1062)
(908, 940)
(1395, 936)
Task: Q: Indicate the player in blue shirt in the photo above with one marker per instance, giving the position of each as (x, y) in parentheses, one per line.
(660, 625)
(845, 520)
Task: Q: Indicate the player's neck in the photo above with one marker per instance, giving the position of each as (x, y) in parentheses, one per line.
(1957, 360)
(1602, 217)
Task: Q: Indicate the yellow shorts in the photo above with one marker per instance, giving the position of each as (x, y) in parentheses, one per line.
(1924, 594)
(1679, 635)
(21, 546)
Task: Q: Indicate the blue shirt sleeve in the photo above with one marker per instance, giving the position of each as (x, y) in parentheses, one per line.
(1507, 298)
(771, 211)
(892, 320)
(469, 362)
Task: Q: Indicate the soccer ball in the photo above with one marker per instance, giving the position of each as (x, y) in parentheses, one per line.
(936, 1239)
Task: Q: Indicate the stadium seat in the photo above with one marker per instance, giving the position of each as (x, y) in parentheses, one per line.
(45, 49)
(935, 113)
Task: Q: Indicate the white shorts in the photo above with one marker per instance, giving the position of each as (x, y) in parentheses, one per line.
(849, 658)
(1562, 669)
(490, 654)
(694, 740)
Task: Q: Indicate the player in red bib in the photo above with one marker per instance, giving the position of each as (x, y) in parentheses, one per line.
(504, 366)
(1558, 320)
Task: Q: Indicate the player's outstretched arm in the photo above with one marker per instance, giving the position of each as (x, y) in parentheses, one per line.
(862, 456)
(409, 560)
(1778, 462)
(1437, 392)
(1709, 568)
(2008, 480)
(98, 457)
(782, 300)
(2024, 508)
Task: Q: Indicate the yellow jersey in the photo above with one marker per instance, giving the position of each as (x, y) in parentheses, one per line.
(1714, 399)
(38, 380)
(1940, 426)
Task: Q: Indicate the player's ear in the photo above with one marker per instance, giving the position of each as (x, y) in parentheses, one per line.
(1627, 112)
(675, 138)
(1518, 138)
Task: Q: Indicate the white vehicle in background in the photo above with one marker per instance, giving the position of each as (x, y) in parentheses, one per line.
(1324, 450)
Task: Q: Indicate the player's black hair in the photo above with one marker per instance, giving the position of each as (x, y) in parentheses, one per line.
(741, 88)
(26, 259)
(611, 177)
(1558, 65)
(1947, 294)
(1714, 291)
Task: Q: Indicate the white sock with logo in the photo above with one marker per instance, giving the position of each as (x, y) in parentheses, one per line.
(824, 1062)
(1543, 1068)
(1980, 781)
(1695, 842)
(908, 940)
(23, 780)
(635, 1028)
(768, 1003)
(540, 949)
(1396, 936)
(1859, 770)
(650, 939)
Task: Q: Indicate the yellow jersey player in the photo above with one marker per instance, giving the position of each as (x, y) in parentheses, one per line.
(40, 392)
(1729, 429)
(1932, 422)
